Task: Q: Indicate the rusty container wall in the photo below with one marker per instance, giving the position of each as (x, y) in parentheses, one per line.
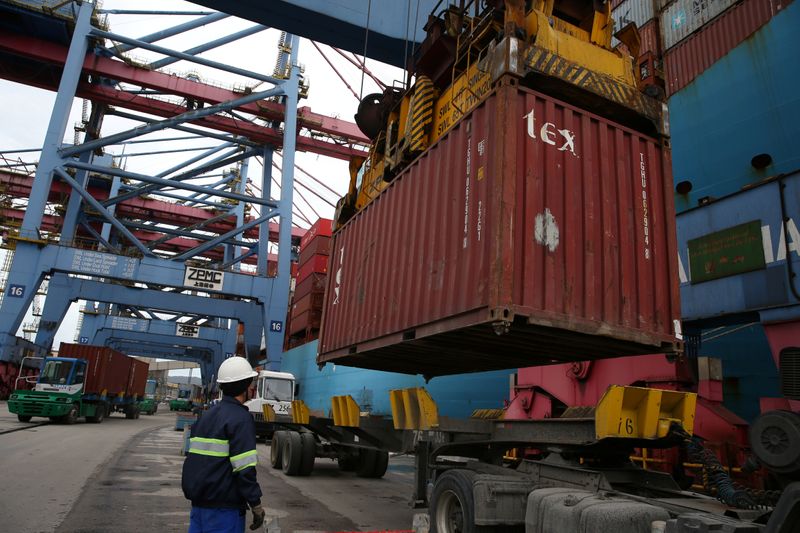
(107, 369)
(137, 379)
(532, 233)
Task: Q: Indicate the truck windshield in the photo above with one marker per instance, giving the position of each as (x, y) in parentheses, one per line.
(56, 372)
(184, 394)
(276, 389)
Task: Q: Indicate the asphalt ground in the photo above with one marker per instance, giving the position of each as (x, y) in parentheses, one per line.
(124, 476)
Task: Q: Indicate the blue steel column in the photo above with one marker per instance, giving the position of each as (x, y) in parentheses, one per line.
(70, 224)
(55, 309)
(26, 273)
(263, 230)
(275, 309)
(232, 251)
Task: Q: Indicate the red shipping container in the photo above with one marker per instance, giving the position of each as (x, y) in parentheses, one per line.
(315, 283)
(272, 268)
(307, 320)
(106, 370)
(692, 56)
(319, 245)
(317, 264)
(137, 380)
(533, 233)
(322, 226)
(310, 301)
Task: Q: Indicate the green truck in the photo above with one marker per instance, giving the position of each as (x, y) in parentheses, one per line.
(152, 397)
(84, 381)
(189, 396)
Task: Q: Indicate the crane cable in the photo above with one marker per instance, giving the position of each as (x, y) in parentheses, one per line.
(366, 41)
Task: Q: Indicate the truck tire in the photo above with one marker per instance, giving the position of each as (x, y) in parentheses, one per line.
(372, 463)
(276, 449)
(452, 507)
(308, 452)
(72, 416)
(347, 462)
(292, 453)
(381, 464)
(24, 418)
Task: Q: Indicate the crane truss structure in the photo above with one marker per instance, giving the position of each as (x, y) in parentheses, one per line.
(176, 251)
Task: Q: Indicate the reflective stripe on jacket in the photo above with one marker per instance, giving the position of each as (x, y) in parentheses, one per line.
(219, 470)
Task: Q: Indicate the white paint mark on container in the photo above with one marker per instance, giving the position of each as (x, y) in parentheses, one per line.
(546, 230)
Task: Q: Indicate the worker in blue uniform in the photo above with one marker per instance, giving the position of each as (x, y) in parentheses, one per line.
(219, 473)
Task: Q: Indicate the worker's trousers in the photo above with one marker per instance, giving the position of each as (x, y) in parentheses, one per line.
(216, 520)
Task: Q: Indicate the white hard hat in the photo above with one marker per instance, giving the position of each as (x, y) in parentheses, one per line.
(235, 369)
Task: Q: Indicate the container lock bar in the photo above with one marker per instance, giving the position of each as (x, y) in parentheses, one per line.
(346, 412)
(641, 413)
(300, 412)
(413, 409)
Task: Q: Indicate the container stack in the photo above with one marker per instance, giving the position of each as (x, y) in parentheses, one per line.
(680, 39)
(305, 311)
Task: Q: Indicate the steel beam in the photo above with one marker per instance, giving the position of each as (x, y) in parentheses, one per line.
(174, 30)
(46, 52)
(24, 276)
(187, 116)
(155, 65)
(388, 30)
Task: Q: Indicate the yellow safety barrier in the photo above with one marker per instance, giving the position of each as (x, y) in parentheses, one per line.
(346, 412)
(413, 409)
(269, 412)
(300, 412)
(640, 413)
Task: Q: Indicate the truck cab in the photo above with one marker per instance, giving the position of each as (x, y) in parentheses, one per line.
(57, 394)
(149, 405)
(276, 389)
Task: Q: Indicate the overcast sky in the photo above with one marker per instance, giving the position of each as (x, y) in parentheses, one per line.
(27, 110)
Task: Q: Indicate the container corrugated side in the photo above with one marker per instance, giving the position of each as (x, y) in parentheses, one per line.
(533, 233)
(684, 62)
(107, 369)
(683, 17)
(640, 12)
(137, 379)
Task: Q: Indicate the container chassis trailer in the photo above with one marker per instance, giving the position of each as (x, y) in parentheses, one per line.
(571, 473)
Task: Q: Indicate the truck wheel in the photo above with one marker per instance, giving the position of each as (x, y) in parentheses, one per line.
(308, 452)
(72, 416)
(372, 463)
(381, 464)
(292, 453)
(347, 462)
(452, 508)
(276, 449)
(24, 418)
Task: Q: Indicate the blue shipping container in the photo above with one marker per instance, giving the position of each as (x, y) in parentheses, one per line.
(744, 105)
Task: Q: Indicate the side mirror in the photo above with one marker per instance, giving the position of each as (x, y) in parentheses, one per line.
(296, 390)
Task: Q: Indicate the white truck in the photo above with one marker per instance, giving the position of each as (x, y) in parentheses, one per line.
(277, 389)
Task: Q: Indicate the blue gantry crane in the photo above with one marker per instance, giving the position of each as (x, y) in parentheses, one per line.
(137, 245)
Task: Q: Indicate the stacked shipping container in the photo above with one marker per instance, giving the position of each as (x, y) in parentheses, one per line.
(306, 307)
(688, 36)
